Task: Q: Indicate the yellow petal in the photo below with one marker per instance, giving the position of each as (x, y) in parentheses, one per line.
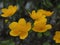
(23, 35)
(40, 25)
(33, 12)
(13, 25)
(4, 15)
(57, 37)
(33, 15)
(57, 41)
(4, 10)
(14, 9)
(57, 32)
(40, 22)
(28, 26)
(22, 21)
(48, 26)
(54, 37)
(14, 32)
(48, 13)
(41, 10)
(10, 6)
(35, 29)
(39, 29)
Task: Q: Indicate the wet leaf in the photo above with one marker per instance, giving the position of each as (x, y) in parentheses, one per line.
(39, 35)
(46, 43)
(47, 33)
(7, 42)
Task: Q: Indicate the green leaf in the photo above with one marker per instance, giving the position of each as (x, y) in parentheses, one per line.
(49, 3)
(30, 31)
(7, 42)
(6, 20)
(47, 33)
(58, 6)
(39, 35)
(46, 43)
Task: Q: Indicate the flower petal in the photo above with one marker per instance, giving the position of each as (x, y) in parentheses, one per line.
(14, 9)
(10, 6)
(48, 26)
(57, 37)
(48, 13)
(22, 21)
(4, 10)
(40, 23)
(4, 15)
(33, 15)
(23, 35)
(14, 32)
(39, 29)
(13, 25)
(28, 26)
(58, 41)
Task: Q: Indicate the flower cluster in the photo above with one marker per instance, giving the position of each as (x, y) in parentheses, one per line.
(40, 20)
(40, 13)
(22, 27)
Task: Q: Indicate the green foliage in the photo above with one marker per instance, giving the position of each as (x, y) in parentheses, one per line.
(47, 33)
(47, 3)
(7, 42)
(58, 6)
(6, 20)
(46, 43)
(39, 35)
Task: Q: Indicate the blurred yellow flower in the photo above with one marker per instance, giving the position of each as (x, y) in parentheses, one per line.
(41, 26)
(9, 12)
(36, 15)
(57, 37)
(45, 12)
(40, 13)
(20, 28)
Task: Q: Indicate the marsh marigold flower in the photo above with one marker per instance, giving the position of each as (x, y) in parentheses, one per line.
(41, 26)
(57, 37)
(40, 13)
(45, 12)
(20, 28)
(9, 11)
(36, 15)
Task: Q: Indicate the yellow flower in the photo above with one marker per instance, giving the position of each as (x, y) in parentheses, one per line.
(45, 12)
(40, 13)
(20, 28)
(41, 26)
(10, 11)
(36, 15)
(57, 37)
